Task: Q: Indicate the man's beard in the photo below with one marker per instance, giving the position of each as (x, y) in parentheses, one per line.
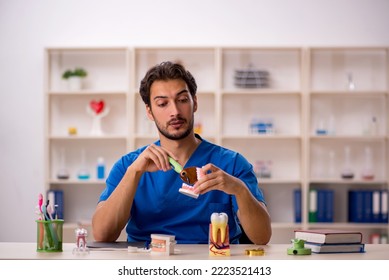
(175, 136)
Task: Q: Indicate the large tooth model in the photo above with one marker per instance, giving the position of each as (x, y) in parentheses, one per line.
(219, 241)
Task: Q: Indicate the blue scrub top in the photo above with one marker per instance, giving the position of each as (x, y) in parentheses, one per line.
(159, 208)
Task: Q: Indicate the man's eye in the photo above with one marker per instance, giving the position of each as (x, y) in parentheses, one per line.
(163, 104)
(183, 100)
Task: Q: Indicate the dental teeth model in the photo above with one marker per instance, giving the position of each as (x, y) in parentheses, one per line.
(189, 176)
(219, 240)
(188, 189)
(162, 244)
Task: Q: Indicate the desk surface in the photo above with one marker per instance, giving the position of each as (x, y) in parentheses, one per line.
(186, 252)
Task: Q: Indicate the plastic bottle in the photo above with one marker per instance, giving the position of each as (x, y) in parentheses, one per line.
(100, 168)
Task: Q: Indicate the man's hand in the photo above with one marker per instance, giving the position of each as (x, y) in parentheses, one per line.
(217, 179)
(152, 159)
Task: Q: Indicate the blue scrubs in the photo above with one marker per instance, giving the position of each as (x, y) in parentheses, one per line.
(159, 208)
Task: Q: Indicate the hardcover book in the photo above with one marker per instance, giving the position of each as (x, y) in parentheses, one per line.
(336, 248)
(329, 236)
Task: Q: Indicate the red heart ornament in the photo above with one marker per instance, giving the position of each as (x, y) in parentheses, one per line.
(97, 106)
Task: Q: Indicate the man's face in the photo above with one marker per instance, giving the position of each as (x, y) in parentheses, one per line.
(172, 108)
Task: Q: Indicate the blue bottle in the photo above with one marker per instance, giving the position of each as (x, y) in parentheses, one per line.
(100, 168)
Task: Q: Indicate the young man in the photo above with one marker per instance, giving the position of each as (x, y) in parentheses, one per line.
(142, 189)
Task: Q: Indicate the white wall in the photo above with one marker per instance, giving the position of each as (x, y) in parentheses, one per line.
(26, 27)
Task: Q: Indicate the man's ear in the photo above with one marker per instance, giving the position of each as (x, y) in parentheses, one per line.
(194, 103)
(149, 113)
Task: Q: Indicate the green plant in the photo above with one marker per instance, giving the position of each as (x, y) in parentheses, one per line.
(77, 72)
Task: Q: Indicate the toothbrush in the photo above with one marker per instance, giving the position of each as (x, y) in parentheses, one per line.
(40, 202)
(50, 233)
(41, 233)
(50, 211)
(175, 165)
(41, 228)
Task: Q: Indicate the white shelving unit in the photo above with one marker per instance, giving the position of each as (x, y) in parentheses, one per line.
(107, 80)
(281, 103)
(308, 90)
(348, 95)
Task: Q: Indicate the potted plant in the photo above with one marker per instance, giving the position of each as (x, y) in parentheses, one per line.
(74, 78)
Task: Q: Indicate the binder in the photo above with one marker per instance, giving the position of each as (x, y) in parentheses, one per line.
(376, 197)
(321, 206)
(367, 205)
(312, 214)
(355, 206)
(297, 206)
(384, 206)
(56, 199)
(329, 206)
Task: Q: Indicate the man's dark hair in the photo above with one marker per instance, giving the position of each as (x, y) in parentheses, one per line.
(166, 71)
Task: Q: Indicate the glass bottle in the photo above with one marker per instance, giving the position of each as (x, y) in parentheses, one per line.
(368, 172)
(63, 173)
(347, 172)
(83, 172)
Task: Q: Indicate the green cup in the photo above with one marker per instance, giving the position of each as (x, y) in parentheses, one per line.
(49, 235)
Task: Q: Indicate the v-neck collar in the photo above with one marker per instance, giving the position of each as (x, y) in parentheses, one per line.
(198, 148)
(196, 151)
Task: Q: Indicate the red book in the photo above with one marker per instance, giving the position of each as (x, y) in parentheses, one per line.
(329, 236)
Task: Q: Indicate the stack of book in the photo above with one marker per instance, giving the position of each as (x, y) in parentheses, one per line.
(332, 241)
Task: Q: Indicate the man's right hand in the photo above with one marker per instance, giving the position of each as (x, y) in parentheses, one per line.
(152, 159)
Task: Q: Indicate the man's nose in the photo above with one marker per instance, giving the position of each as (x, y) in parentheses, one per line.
(174, 111)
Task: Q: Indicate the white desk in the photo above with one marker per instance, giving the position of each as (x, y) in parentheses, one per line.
(27, 251)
